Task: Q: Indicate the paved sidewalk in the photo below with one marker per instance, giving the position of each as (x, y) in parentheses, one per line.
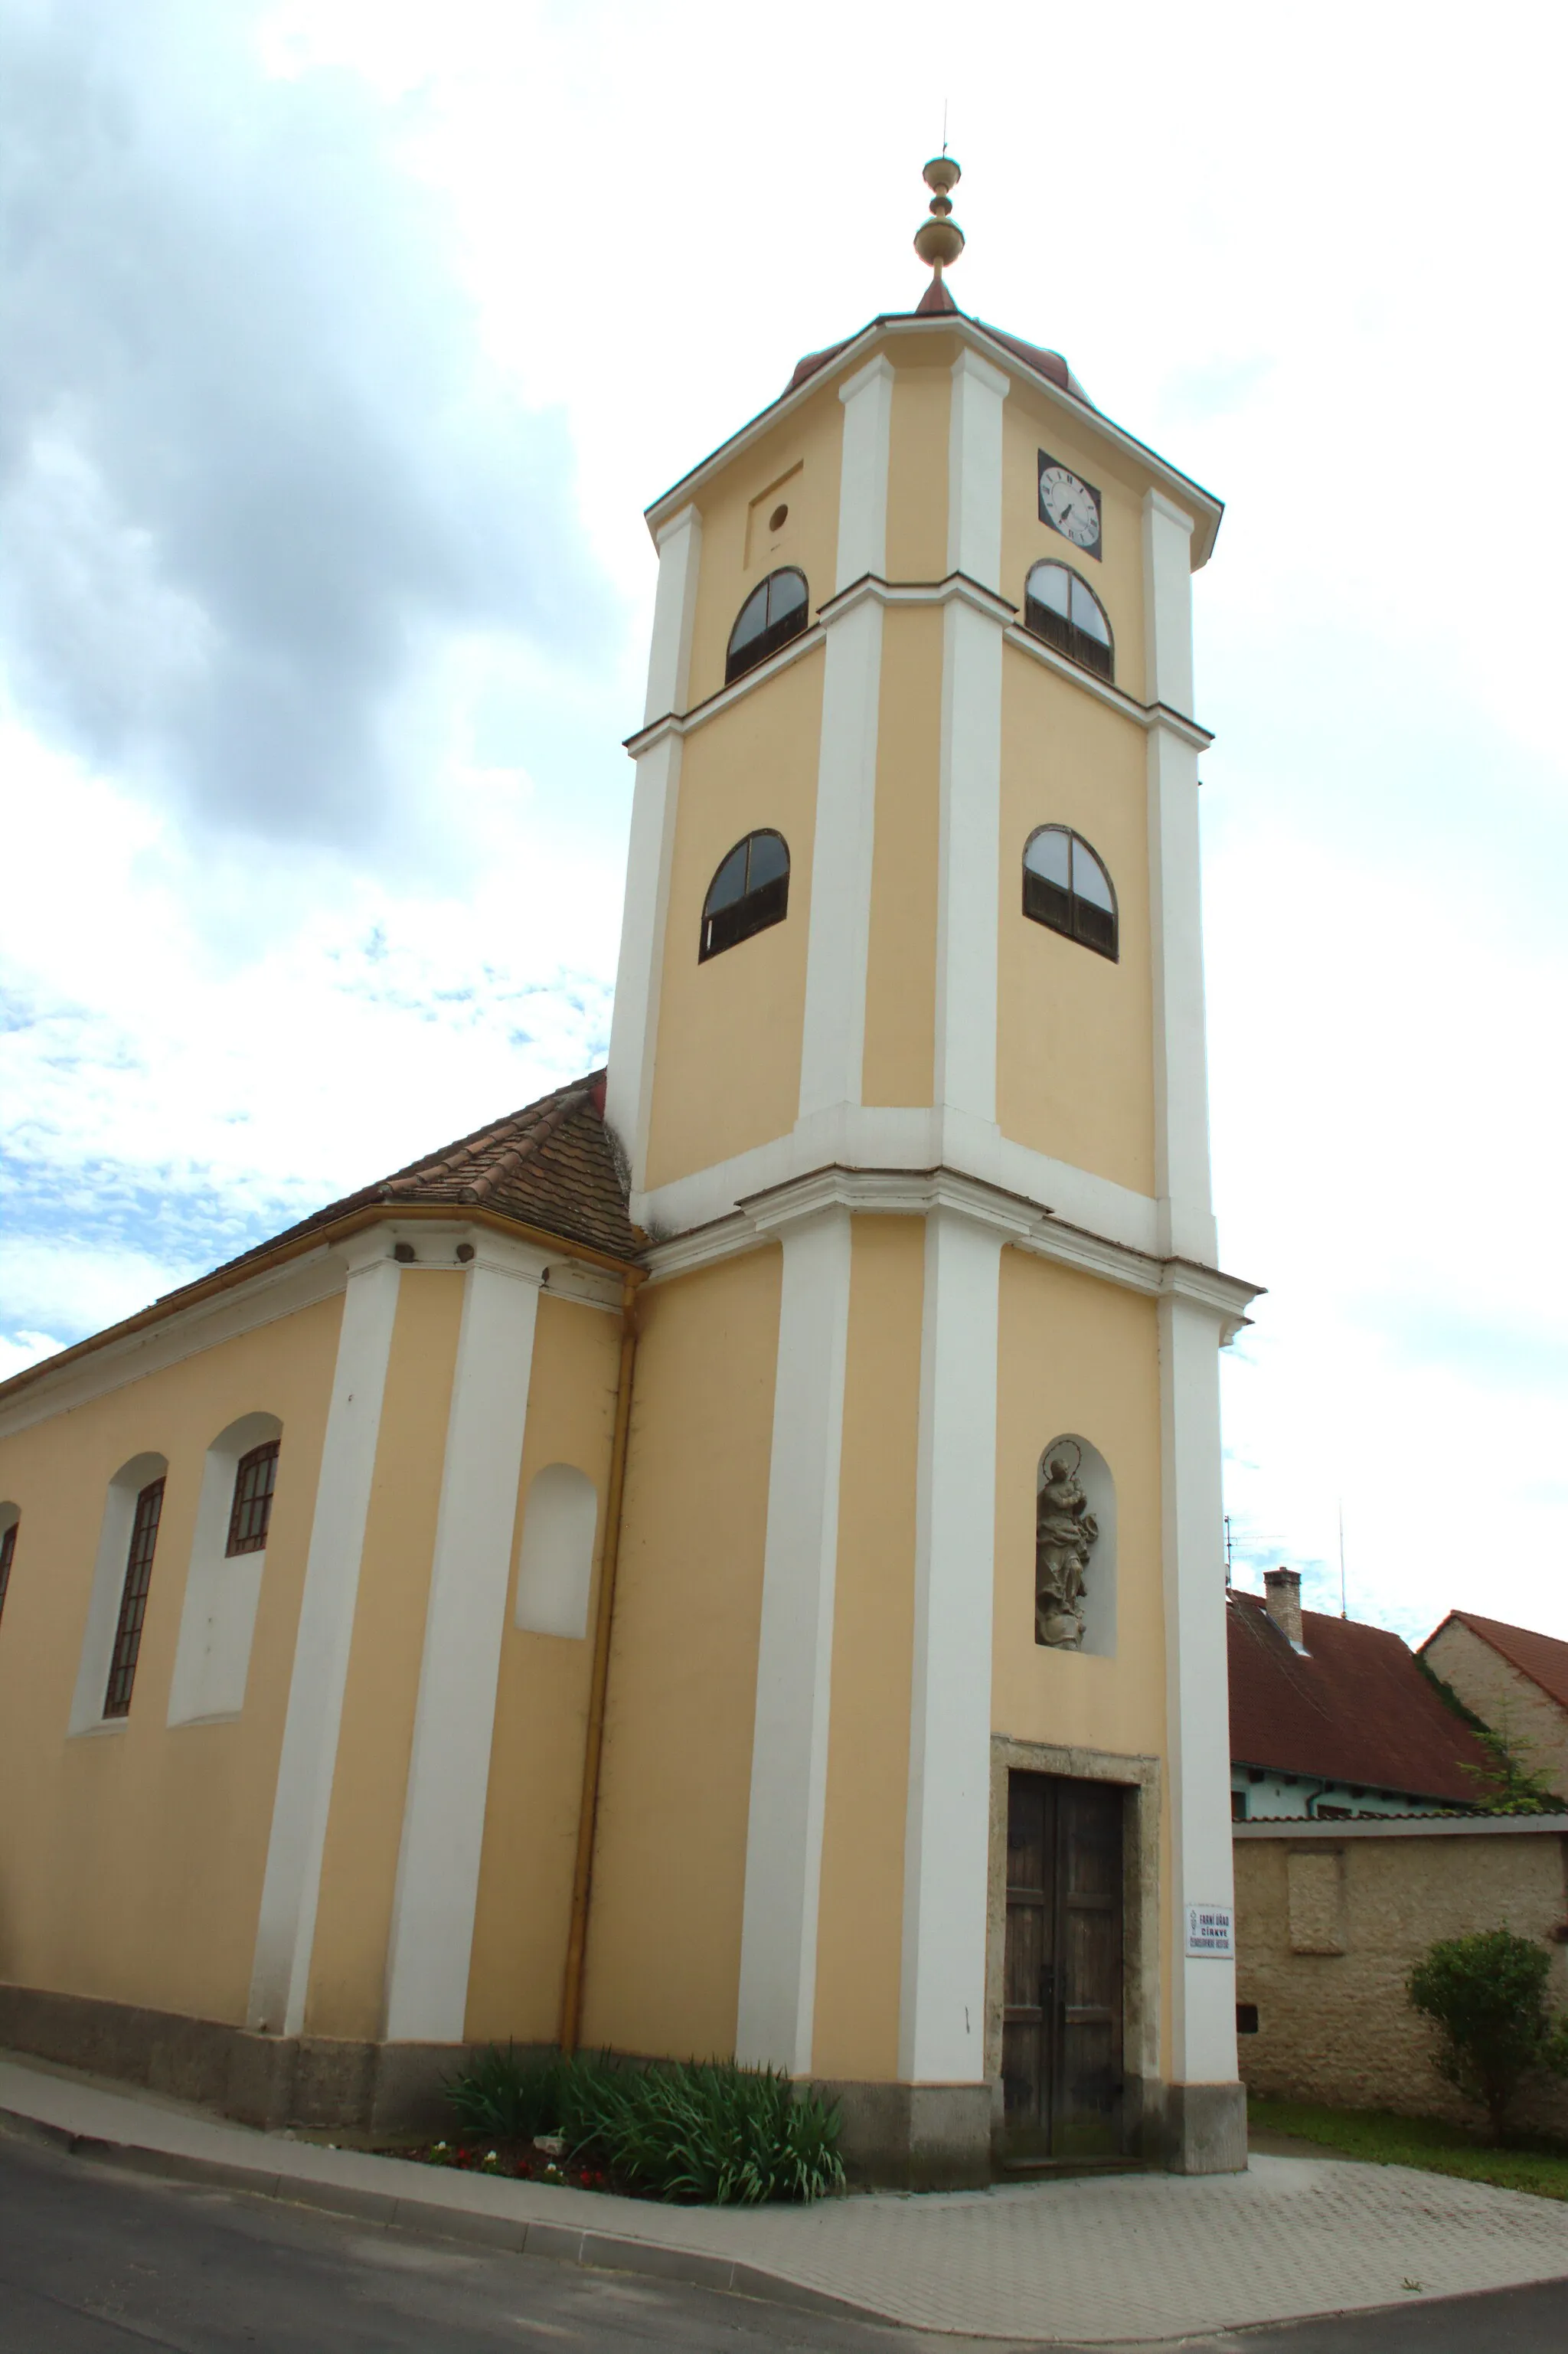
(1134, 2257)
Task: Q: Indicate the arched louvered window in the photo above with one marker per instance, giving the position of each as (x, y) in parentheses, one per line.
(1065, 612)
(775, 611)
(750, 891)
(1068, 889)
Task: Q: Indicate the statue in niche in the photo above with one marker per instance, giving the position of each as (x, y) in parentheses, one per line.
(1065, 1535)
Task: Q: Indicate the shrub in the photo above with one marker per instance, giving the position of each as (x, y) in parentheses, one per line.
(508, 2095)
(1486, 1993)
(710, 2132)
(704, 2131)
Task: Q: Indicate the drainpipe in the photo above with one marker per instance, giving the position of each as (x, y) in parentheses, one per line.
(593, 1752)
(1321, 1789)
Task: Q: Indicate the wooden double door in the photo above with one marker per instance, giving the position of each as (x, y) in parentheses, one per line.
(1062, 2020)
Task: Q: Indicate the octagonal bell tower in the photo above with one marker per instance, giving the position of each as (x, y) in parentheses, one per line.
(909, 1065)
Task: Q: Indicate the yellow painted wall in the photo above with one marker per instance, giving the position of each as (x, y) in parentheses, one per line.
(860, 1931)
(541, 1706)
(1075, 1355)
(797, 466)
(663, 1952)
(359, 1863)
(131, 1861)
(1032, 421)
(901, 970)
(917, 457)
(728, 1070)
(1075, 1032)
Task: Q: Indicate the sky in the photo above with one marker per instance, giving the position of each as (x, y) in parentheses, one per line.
(343, 344)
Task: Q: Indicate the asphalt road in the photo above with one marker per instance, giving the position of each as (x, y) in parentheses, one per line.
(94, 2260)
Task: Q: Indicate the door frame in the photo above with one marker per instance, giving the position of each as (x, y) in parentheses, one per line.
(1140, 1780)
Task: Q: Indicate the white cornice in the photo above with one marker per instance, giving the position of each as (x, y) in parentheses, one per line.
(957, 588)
(683, 723)
(300, 1283)
(1143, 714)
(1187, 496)
(917, 1193)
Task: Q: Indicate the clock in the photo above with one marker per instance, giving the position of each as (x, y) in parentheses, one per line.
(1069, 505)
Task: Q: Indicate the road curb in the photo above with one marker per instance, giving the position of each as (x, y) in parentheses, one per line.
(516, 2235)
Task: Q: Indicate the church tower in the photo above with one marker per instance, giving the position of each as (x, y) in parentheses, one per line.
(923, 1509)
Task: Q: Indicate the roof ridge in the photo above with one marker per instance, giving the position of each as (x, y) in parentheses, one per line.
(572, 1100)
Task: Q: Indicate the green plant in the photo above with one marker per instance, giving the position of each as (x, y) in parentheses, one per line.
(707, 2131)
(508, 2095)
(1486, 1995)
(1505, 1785)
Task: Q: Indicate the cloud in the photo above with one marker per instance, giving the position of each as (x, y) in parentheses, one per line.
(254, 463)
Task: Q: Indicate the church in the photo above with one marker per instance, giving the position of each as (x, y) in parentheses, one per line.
(724, 1560)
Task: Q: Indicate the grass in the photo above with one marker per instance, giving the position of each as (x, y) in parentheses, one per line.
(1379, 2139)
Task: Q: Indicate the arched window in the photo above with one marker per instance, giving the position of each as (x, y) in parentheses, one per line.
(750, 891)
(9, 1516)
(775, 613)
(1066, 888)
(1065, 612)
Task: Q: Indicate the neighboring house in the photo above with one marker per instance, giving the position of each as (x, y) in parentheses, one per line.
(1331, 1918)
(1514, 1679)
(1330, 1719)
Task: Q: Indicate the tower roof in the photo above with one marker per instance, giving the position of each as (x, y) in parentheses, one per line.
(937, 302)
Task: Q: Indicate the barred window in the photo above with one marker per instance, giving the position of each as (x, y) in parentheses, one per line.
(133, 1599)
(7, 1555)
(1066, 888)
(255, 1477)
(1064, 610)
(750, 891)
(776, 611)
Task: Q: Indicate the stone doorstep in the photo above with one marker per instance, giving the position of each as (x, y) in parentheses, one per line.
(438, 2216)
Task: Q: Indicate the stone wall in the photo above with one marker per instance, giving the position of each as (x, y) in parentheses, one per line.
(1534, 1725)
(1329, 1923)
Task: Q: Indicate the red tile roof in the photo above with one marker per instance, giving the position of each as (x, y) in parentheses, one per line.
(1050, 365)
(551, 1165)
(1543, 1658)
(1356, 1708)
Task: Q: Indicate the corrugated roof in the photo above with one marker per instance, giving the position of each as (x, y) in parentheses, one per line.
(1356, 1708)
(1543, 1658)
(550, 1165)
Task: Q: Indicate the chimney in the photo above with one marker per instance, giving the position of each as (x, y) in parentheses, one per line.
(1282, 1600)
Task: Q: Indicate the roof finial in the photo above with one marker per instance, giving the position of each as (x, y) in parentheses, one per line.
(939, 240)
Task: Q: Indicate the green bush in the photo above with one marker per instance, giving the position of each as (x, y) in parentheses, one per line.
(704, 2131)
(1486, 1993)
(508, 2095)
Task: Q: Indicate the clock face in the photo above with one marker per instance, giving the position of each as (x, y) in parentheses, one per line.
(1069, 506)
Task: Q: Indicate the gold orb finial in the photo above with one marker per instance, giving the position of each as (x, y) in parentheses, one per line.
(940, 240)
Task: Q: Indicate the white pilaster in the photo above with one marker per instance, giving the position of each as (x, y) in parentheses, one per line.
(790, 1744)
(942, 2005)
(448, 1771)
(970, 753)
(974, 469)
(285, 1933)
(833, 1044)
(867, 397)
(1204, 2043)
(634, 1025)
(838, 947)
(1182, 1185)
(969, 822)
